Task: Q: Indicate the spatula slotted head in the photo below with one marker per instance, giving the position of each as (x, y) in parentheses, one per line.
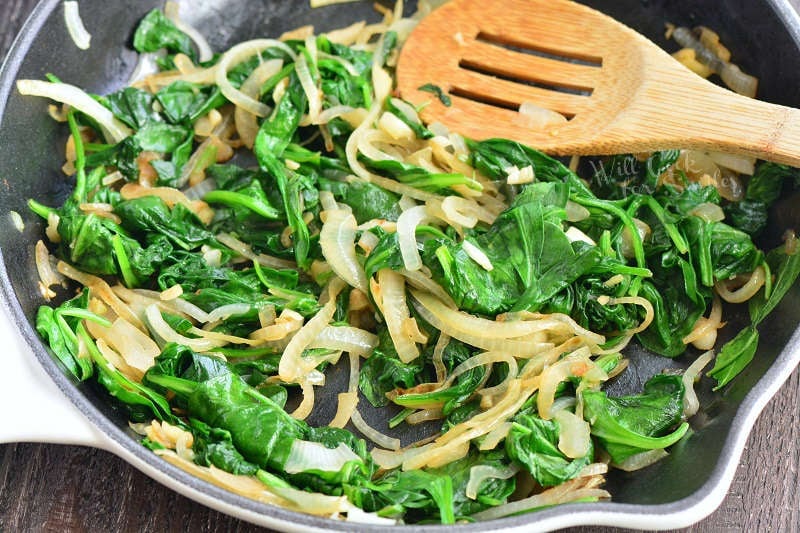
(490, 57)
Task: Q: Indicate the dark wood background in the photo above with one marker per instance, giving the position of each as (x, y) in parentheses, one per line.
(46, 487)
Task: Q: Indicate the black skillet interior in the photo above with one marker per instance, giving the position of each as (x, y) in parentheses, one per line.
(32, 153)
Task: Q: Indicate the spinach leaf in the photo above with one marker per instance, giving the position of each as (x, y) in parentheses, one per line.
(737, 353)
(156, 31)
(272, 139)
(132, 106)
(628, 425)
(533, 442)
(438, 92)
(383, 371)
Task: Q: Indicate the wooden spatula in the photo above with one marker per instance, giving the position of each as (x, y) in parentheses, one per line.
(620, 92)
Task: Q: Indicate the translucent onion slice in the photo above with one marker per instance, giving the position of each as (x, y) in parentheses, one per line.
(77, 31)
(407, 224)
(337, 240)
(477, 255)
(493, 438)
(160, 327)
(137, 349)
(205, 53)
(44, 266)
(745, 292)
(690, 402)
(348, 401)
(571, 365)
(306, 455)
(479, 473)
(313, 93)
(114, 130)
(346, 339)
(392, 459)
(236, 55)
(102, 290)
(574, 438)
(246, 486)
(292, 367)
(460, 321)
(738, 163)
(641, 460)
(244, 250)
(179, 305)
(222, 338)
(564, 493)
(385, 441)
(224, 312)
(285, 325)
(171, 197)
(393, 306)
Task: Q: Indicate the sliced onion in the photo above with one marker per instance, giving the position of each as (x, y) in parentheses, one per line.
(385, 441)
(198, 192)
(77, 31)
(450, 206)
(460, 321)
(160, 327)
(246, 486)
(521, 176)
(574, 436)
(641, 460)
(554, 375)
(422, 281)
(173, 292)
(392, 459)
(178, 305)
(738, 163)
(576, 235)
(313, 93)
(137, 349)
(348, 401)
(285, 325)
(205, 53)
(44, 266)
(396, 128)
(313, 502)
(306, 455)
(493, 438)
(114, 130)
(224, 312)
(292, 366)
(690, 402)
(103, 291)
(554, 496)
(244, 250)
(757, 279)
(407, 224)
(236, 55)
(479, 473)
(576, 212)
(171, 197)
(337, 240)
(477, 255)
(709, 212)
(537, 117)
(393, 305)
(346, 339)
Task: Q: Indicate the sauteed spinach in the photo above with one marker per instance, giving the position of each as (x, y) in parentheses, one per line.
(209, 314)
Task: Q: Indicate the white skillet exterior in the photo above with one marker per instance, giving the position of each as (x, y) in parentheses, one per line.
(55, 413)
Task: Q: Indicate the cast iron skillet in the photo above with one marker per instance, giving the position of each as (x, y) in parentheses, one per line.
(764, 36)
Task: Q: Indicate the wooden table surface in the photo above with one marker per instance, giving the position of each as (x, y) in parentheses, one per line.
(45, 487)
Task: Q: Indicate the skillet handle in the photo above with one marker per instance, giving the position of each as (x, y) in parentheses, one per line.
(33, 408)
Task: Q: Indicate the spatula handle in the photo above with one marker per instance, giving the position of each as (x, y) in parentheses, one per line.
(717, 119)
